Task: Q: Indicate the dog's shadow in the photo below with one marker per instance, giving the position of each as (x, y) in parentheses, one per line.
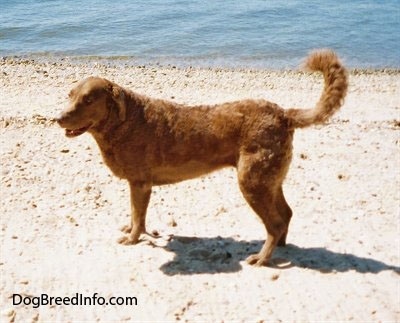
(223, 255)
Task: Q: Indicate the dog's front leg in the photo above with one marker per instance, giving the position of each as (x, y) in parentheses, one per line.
(140, 197)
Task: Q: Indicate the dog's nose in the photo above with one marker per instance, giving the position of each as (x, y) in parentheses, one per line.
(60, 119)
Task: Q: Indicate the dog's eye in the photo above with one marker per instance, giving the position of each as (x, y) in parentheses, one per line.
(87, 100)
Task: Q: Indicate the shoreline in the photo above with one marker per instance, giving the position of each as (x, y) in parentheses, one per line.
(131, 61)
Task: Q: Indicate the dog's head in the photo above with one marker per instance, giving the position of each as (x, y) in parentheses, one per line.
(91, 103)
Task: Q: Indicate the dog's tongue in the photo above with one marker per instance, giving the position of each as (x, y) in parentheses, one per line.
(73, 133)
(76, 132)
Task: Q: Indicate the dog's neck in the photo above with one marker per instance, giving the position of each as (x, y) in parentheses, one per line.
(111, 129)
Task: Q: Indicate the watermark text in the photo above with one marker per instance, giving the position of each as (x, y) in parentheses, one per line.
(76, 300)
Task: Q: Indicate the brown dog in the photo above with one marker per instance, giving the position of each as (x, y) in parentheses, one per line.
(155, 142)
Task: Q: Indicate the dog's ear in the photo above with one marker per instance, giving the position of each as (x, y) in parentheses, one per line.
(118, 97)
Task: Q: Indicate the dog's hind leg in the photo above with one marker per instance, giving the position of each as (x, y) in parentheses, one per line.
(140, 197)
(286, 213)
(262, 194)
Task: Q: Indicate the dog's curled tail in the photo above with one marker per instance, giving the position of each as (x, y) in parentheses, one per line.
(335, 76)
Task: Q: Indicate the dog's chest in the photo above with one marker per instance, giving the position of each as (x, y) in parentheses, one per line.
(111, 160)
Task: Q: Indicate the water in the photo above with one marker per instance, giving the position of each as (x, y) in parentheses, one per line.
(226, 33)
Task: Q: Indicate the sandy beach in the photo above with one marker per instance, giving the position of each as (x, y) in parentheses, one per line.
(61, 208)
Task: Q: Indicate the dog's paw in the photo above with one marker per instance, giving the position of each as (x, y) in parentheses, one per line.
(126, 228)
(126, 241)
(257, 260)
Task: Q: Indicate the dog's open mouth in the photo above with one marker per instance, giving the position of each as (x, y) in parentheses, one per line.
(76, 132)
